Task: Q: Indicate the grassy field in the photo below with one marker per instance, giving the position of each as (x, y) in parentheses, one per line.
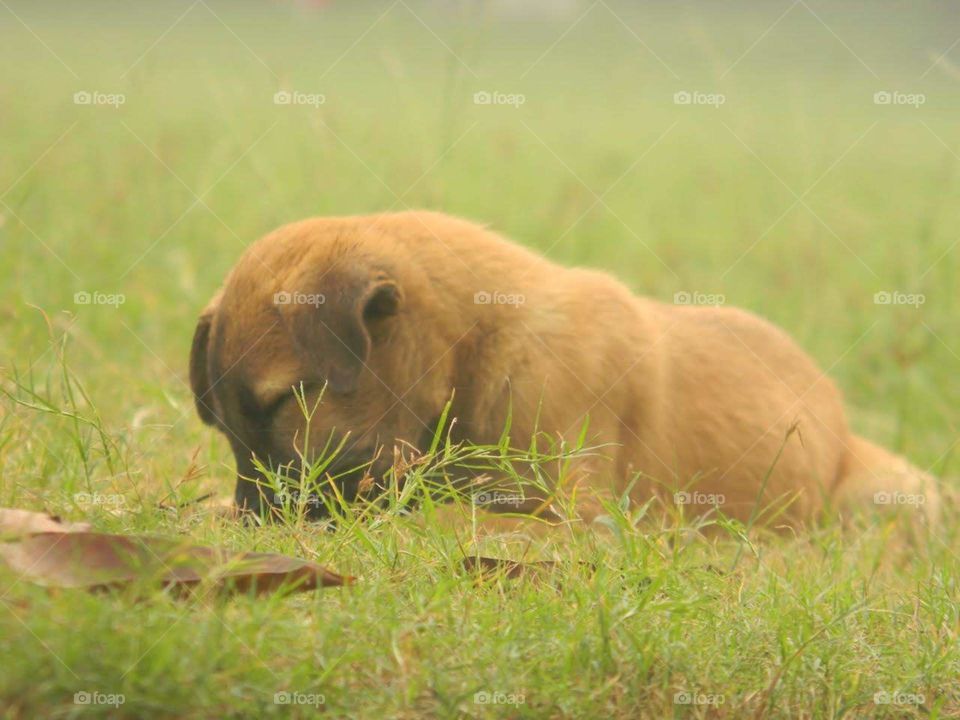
(785, 184)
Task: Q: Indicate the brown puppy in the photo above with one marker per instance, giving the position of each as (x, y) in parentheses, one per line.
(393, 313)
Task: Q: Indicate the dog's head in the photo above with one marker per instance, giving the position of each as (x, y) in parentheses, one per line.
(336, 308)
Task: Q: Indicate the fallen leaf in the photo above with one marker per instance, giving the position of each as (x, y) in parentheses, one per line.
(16, 523)
(511, 569)
(99, 561)
(208, 504)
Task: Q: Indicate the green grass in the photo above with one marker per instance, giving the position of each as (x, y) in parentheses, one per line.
(692, 199)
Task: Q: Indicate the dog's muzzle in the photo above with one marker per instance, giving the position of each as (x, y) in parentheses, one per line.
(350, 476)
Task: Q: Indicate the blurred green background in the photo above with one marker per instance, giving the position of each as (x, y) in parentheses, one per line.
(799, 196)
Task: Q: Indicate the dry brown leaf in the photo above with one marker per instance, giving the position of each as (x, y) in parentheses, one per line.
(99, 560)
(511, 569)
(16, 523)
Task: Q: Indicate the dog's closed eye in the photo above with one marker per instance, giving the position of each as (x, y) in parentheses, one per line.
(264, 409)
(273, 406)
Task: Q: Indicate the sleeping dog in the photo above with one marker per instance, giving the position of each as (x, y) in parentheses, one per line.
(390, 316)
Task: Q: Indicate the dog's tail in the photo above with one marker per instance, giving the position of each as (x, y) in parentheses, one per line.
(873, 478)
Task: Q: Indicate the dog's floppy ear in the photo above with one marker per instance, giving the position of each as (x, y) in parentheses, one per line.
(199, 368)
(338, 331)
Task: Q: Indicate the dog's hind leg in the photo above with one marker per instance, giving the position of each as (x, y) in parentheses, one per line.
(873, 478)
